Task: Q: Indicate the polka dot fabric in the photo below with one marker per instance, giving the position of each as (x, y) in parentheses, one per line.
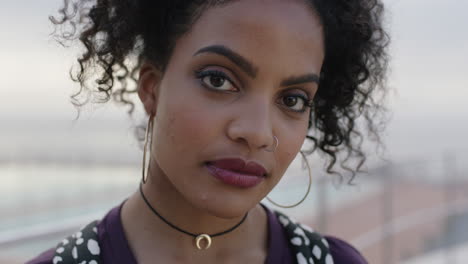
(308, 246)
(79, 248)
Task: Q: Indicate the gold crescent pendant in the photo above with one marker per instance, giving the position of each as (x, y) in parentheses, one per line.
(201, 238)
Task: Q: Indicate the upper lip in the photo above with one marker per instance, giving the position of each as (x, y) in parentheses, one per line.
(239, 165)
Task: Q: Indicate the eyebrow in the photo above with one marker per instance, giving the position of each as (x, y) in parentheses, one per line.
(295, 80)
(233, 56)
(250, 69)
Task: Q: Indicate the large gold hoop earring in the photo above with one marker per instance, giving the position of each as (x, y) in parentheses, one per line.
(148, 134)
(308, 187)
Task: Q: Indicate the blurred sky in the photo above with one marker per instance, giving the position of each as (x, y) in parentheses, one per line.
(429, 68)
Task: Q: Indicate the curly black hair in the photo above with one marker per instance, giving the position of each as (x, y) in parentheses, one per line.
(118, 35)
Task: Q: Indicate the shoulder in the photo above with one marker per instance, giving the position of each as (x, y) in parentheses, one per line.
(306, 245)
(85, 242)
(81, 247)
(326, 249)
(343, 252)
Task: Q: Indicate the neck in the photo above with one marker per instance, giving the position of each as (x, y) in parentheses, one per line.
(209, 236)
(148, 234)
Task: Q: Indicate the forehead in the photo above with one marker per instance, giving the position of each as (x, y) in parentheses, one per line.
(269, 33)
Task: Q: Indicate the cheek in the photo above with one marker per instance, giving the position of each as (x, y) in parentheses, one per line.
(184, 127)
(293, 139)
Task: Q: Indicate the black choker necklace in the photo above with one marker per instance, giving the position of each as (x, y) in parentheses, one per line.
(199, 237)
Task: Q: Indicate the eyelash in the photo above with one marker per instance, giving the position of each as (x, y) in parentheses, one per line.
(305, 100)
(212, 73)
(200, 74)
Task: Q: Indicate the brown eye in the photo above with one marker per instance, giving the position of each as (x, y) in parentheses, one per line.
(295, 102)
(290, 101)
(217, 81)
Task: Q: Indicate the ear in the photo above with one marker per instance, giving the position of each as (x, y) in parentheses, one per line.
(148, 86)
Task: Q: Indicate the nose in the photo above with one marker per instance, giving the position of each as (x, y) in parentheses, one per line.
(252, 124)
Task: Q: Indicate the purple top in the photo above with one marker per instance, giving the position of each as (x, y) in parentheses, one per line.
(115, 249)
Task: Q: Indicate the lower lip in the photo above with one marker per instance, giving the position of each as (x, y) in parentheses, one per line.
(234, 178)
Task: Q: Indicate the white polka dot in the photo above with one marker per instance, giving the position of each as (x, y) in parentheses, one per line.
(78, 234)
(95, 229)
(293, 220)
(65, 241)
(328, 259)
(93, 262)
(93, 247)
(317, 252)
(311, 261)
(308, 228)
(325, 242)
(60, 250)
(75, 253)
(79, 241)
(297, 241)
(284, 221)
(299, 231)
(301, 259)
(83, 262)
(57, 259)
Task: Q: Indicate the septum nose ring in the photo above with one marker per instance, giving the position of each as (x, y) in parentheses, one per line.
(275, 146)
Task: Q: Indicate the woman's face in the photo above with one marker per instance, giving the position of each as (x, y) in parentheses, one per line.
(242, 75)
